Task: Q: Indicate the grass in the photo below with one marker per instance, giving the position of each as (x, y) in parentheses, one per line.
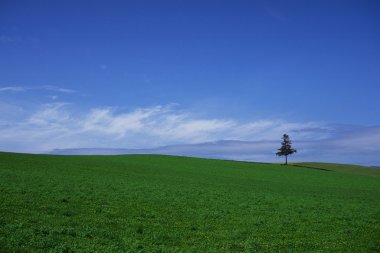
(346, 168)
(153, 203)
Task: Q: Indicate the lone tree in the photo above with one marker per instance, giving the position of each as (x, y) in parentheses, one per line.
(286, 148)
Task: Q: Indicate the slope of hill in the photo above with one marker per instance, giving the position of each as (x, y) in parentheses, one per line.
(346, 168)
(153, 203)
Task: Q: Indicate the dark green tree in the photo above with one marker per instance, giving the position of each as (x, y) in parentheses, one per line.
(286, 148)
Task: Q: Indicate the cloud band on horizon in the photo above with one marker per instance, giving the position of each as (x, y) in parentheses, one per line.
(59, 126)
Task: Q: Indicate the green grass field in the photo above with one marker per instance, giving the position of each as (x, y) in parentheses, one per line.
(153, 203)
(346, 168)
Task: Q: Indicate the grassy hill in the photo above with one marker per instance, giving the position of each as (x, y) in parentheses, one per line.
(153, 203)
(346, 168)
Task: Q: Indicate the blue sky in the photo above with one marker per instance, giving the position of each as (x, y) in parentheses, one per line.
(186, 72)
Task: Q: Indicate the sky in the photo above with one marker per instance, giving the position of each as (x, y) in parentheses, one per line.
(146, 74)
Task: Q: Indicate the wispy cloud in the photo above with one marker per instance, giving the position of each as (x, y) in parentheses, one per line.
(31, 88)
(58, 89)
(12, 89)
(59, 125)
(347, 148)
(142, 127)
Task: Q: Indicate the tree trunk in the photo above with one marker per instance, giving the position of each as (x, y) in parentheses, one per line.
(286, 160)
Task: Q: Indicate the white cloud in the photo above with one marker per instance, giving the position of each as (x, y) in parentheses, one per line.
(50, 115)
(139, 128)
(54, 88)
(343, 149)
(269, 129)
(12, 89)
(104, 121)
(198, 130)
(58, 125)
(44, 87)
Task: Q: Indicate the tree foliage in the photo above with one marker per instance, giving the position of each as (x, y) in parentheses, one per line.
(286, 148)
